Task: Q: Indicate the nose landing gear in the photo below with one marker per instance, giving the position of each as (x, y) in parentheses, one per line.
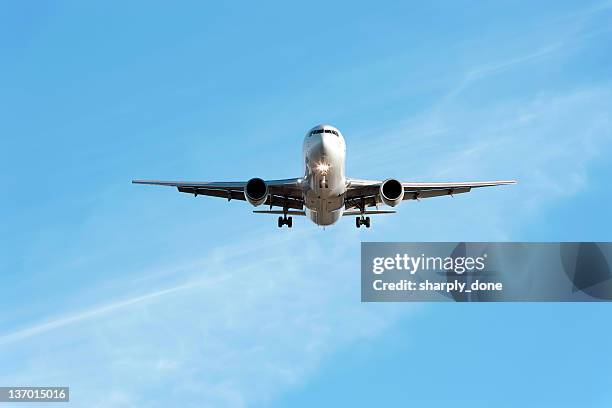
(359, 221)
(288, 221)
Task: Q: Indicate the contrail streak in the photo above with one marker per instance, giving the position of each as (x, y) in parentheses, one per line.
(87, 314)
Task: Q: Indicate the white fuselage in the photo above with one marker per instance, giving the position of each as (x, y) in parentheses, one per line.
(324, 183)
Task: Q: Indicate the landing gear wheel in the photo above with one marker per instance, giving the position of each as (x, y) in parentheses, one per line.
(359, 221)
(288, 221)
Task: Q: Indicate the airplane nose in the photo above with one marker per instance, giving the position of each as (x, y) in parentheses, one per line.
(326, 144)
(322, 148)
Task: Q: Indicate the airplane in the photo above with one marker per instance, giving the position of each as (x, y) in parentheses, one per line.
(323, 193)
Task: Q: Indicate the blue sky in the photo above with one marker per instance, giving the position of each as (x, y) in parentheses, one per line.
(142, 297)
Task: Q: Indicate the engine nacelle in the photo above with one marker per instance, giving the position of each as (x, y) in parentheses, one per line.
(256, 191)
(391, 192)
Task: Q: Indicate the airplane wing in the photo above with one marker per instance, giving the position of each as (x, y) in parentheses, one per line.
(282, 193)
(366, 192)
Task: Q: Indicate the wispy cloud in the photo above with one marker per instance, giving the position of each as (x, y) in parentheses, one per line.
(546, 139)
(91, 313)
(547, 142)
(247, 323)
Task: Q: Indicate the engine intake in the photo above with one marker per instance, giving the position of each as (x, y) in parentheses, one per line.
(391, 192)
(256, 191)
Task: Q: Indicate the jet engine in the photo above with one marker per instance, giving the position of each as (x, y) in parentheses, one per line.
(256, 191)
(391, 192)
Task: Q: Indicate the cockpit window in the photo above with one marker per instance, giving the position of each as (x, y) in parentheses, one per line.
(317, 131)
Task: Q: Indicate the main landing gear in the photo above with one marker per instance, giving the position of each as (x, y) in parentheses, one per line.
(359, 221)
(288, 221)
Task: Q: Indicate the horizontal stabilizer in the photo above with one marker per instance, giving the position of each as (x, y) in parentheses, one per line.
(280, 212)
(349, 213)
